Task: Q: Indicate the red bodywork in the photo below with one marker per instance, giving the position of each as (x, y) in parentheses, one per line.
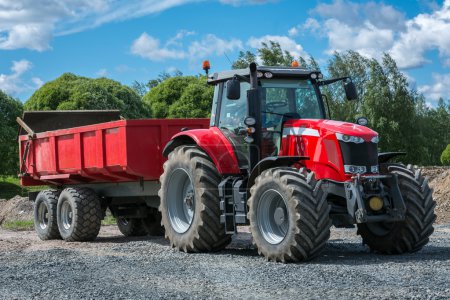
(317, 140)
(119, 151)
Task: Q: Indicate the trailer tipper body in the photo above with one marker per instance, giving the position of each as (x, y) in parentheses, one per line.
(270, 157)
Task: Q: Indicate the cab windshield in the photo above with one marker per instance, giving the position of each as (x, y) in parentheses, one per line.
(295, 98)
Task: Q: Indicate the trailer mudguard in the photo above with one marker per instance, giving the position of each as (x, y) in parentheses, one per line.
(213, 142)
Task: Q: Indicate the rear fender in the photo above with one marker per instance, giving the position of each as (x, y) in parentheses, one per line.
(213, 142)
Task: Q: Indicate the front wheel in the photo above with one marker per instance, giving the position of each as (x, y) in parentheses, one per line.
(289, 215)
(190, 207)
(413, 233)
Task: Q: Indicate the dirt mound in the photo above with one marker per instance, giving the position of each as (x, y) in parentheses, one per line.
(439, 180)
(17, 208)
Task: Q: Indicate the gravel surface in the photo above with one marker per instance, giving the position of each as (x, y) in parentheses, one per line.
(114, 267)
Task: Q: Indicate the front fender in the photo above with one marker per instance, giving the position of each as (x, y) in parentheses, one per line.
(213, 142)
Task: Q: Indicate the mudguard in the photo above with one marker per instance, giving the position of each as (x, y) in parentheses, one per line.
(213, 142)
(384, 157)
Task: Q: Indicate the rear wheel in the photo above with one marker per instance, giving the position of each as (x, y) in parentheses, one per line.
(189, 207)
(131, 227)
(45, 220)
(79, 214)
(289, 215)
(413, 233)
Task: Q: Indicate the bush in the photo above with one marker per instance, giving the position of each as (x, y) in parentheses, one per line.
(445, 156)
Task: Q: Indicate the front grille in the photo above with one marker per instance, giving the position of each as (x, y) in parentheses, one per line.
(363, 154)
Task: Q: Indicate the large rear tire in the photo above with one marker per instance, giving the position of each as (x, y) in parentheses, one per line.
(45, 220)
(289, 215)
(79, 214)
(131, 227)
(413, 233)
(189, 206)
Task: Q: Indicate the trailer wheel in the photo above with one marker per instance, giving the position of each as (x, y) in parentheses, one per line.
(413, 233)
(289, 215)
(45, 218)
(131, 227)
(79, 214)
(189, 206)
(152, 223)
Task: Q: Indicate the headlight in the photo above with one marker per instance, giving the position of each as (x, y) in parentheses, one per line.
(355, 169)
(349, 138)
(374, 169)
(375, 139)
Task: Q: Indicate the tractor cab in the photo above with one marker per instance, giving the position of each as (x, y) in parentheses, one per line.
(251, 106)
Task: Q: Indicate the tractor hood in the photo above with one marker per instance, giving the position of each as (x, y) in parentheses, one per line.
(325, 127)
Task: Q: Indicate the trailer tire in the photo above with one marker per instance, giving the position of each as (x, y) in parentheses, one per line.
(152, 223)
(79, 214)
(190, 206)
(45, 220)
(289, 215)
(413, 233)
(131, 227)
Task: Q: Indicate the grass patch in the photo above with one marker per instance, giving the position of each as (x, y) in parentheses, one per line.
(109, 220)
(18, 225)
(10, 187)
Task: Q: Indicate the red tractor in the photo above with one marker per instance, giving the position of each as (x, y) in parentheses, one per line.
(272, 159)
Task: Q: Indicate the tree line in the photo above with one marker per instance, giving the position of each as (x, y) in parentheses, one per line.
(397, 112)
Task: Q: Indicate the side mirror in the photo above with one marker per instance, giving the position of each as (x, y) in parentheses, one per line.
(233, 89)
(350, 90)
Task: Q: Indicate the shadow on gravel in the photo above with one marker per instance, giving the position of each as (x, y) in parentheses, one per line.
(120, 239)
(357, 254)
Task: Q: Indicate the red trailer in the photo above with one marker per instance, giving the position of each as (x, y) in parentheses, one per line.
(119, 162)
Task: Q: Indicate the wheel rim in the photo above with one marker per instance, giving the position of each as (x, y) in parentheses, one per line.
(272, 218)
(181, 200)
(43, 215)
(66, 215)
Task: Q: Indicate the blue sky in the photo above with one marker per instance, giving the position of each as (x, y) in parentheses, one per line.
(137, 40)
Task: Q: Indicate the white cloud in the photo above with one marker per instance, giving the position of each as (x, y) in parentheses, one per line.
(373, 28)
(440, 88)
(150, 48)
(102, 73)
(293, 31)
(423, 33)
(285, 42)
(32, 24)
(13, 83)
(212, 45)
(245, 2)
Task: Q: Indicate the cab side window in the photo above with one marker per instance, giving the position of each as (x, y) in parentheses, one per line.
(233, 112)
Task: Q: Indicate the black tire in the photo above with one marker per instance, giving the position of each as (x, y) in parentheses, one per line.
(131, 227)
(45, 220)
(305, 224)
(200, 230)
(152, 223)
(79, 214)
(413, 233)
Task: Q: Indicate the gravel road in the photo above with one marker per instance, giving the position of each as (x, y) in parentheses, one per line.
(115, 267)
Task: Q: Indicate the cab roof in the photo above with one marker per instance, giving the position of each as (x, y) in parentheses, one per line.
(277, 72)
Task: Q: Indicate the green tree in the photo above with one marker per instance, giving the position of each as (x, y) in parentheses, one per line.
(445, 156)
(10, 109)
(69, 92)
(180, 97)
